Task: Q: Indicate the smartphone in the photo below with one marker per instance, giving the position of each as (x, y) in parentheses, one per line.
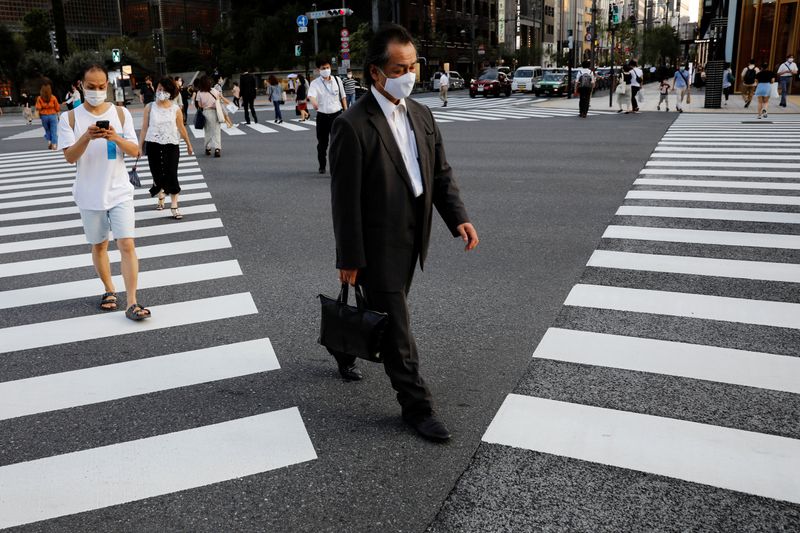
(102, 124)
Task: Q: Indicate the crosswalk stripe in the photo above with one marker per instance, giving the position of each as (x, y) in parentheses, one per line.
(726, 173)
(472, 114)
(698, 236)
(759, 152)
(714, 197)
(58, 211)
(63, 189)
(52, 392)
(52, 264)
(695, 361)
(261, 128)
(696, 266)
(148, 279)
(291, 127)
(754, 144)
(711, 214)
(744, 461)
(678, 154)
(446, 116)
(233, 131)
(119, 473)
(170, 228)
(24, 177)
(791, 186)
(23, 169)
(197, 134)
(687, 305)
(716, 164)
(76, 222)
(99, 326)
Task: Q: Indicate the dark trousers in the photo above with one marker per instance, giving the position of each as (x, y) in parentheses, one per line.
(163, 162)
(277, 105)
(634, 92)
(585, 95)
(248, 102)
(324, 123)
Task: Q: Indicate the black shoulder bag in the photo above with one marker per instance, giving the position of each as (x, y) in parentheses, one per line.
(354, 331)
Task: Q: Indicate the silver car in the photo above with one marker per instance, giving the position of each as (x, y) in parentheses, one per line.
(456, 81)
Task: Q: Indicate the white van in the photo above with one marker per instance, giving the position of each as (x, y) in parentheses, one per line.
(525, 77)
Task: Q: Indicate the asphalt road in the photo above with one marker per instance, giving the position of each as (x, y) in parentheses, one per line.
(540, 192)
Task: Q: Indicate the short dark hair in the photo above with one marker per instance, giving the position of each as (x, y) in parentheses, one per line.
(633, 62)
(170, 86)
(752, 61)
(92, 67)
(378, 48)
(322, 60)
(586, 64)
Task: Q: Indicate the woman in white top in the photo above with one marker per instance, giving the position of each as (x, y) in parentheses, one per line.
(162, 130)
(206, 101)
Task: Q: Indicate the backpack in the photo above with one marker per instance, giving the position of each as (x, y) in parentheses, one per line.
(585, 81)
(750, 76)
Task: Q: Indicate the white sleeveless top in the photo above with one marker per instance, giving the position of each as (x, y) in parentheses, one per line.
(162, 128)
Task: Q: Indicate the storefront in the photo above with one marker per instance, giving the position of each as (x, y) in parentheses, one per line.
(769, 30)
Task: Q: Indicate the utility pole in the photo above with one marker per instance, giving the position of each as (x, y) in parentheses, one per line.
(594, 31)
(316, 41)
(376, 19)
(472, 20)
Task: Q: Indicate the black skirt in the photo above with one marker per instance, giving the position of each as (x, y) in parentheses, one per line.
(163, 161)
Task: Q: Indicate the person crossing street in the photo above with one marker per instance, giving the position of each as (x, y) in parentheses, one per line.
(444, 86)
(328, 98)
(786, 72)
(247, 84)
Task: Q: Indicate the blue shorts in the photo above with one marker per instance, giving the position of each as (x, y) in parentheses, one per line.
(764, 89)
(119, 220)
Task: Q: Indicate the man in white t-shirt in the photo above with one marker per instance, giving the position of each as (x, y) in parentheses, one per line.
(97, 136)
(786, 71)
(444, 85)
(326, 94)
(637, 78)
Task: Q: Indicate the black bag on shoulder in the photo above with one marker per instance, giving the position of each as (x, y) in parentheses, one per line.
(199, 120)
(354, 331)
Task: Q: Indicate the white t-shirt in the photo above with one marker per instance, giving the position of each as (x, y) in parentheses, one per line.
(328, 93)
(636, 79)
(100, 182)
(444, 81)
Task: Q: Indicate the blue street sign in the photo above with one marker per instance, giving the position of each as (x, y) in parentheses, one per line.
(302, 21)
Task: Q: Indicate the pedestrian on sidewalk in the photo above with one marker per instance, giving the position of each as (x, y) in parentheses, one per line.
(48, 107)
(350, 84)
(727, 82)
(663, 95)
(186, 97)
(444, 86)
(27, 111)
(97, 136)
(765, 78)
(148, 94)
(236, 91)
(584, 87)
(205, 102)
(276, 96)
(327, 95)
(301, 100)
(749, 82)
(786, 72)
(623, 90)
(388, 169)
(680, 86)
(637, 79)
(162, 131)
(247, 84)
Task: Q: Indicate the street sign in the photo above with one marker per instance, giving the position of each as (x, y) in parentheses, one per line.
(329, 13)
(345, 56)
(302, 29)
(346, 63)
(302, 21)
(345, 46)
(344, 33)
(588, 37)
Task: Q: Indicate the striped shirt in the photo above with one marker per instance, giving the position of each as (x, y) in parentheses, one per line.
(349, 85)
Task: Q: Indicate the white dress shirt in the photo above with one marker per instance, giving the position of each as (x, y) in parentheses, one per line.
(444, 81)
(397, 117)
(328, 93)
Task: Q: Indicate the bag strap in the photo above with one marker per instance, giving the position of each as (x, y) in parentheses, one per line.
(120, 116)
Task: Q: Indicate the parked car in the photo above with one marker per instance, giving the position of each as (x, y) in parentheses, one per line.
(490, 81)
(551, 84)
(456, 81)
(525, 77)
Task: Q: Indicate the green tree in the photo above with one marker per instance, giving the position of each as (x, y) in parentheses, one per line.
(36, 65)
(10, 51)
(73, 66)
(661, 45)
(359, 40)
(37, 28)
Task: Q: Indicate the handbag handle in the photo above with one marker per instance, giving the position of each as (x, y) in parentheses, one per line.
(361, 298)
(136, 163)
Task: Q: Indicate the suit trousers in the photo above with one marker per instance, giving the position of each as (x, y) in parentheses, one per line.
(634, 102)
(585, 95)
(324, 124)
(248, 102)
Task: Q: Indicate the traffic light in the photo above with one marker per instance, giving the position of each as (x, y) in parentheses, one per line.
(298, 50)
(116, 55)
(340, 12)
(615, 15)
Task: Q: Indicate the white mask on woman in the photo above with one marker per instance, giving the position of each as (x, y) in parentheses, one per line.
(94, 98)
(162, 95)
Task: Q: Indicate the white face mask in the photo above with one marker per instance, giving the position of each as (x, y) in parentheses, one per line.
(790, 60)
(161, 95)
(94, 98)
(349, 75)
(325, 72)
(401, 86)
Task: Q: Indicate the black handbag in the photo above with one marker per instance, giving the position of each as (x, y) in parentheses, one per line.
(354, 331)
(199, 120)
(133, 175)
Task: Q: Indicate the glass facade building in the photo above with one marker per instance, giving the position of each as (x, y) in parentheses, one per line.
(768, 32)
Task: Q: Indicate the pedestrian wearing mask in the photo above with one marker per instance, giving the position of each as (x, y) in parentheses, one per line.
(148, 91)
(388, 170)
(96, 136)
(749, 82)
(680, 87)
(786, 72)
(637, 79)
(302, 98)
(623, 90)
(206, 102)
(327, 95)
(48, 107)
(275, 95)
(162, 130)
(350, 84)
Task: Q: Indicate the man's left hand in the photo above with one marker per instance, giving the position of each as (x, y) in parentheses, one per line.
(468, 235)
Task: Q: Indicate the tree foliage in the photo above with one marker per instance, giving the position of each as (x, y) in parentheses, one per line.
(661, 46)
(37, 28)
(11, 49)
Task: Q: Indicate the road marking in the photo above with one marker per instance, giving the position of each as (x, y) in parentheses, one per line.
(699, 236)
(233, 131)
(724, 173)
(99, 326)
(197, 133)
(129, 471)
(720, 184)
(148, 279)
(697, 266)
(261, 128)
(711, 214)
(678, 154)
(64, 189)
(733, 459)
(59, 171)
(58, 211)
(70, 181)
(455, 115)
(710, 150)
(309, 122)
(738, 164)
(291, 127)
(97, 384)
(188, 168)
(52, 264)
(447, 116)
(714, 197)
(687, 305)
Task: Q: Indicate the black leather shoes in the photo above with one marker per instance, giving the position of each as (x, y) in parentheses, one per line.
(350, 372)
(322, 170)
(429, 427)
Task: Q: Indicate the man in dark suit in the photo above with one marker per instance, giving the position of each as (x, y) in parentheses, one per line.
(388, 170)
(247, 90)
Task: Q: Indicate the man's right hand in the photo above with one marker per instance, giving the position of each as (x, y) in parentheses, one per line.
(348, 276)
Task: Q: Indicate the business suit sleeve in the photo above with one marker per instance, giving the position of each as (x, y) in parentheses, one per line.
(446, 197)
(346, 175)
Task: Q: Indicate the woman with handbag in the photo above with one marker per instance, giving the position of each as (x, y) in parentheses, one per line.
(623, 90)
(162, 130)
(275, 94)
(48, 107)
(206, 103)
(764, 89)
(302, 98)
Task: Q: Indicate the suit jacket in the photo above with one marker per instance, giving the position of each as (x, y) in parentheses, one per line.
(378, 223)
(247, 85)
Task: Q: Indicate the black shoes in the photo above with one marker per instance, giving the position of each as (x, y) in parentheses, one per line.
(429, 427)
(350, 372)
(322, 170)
